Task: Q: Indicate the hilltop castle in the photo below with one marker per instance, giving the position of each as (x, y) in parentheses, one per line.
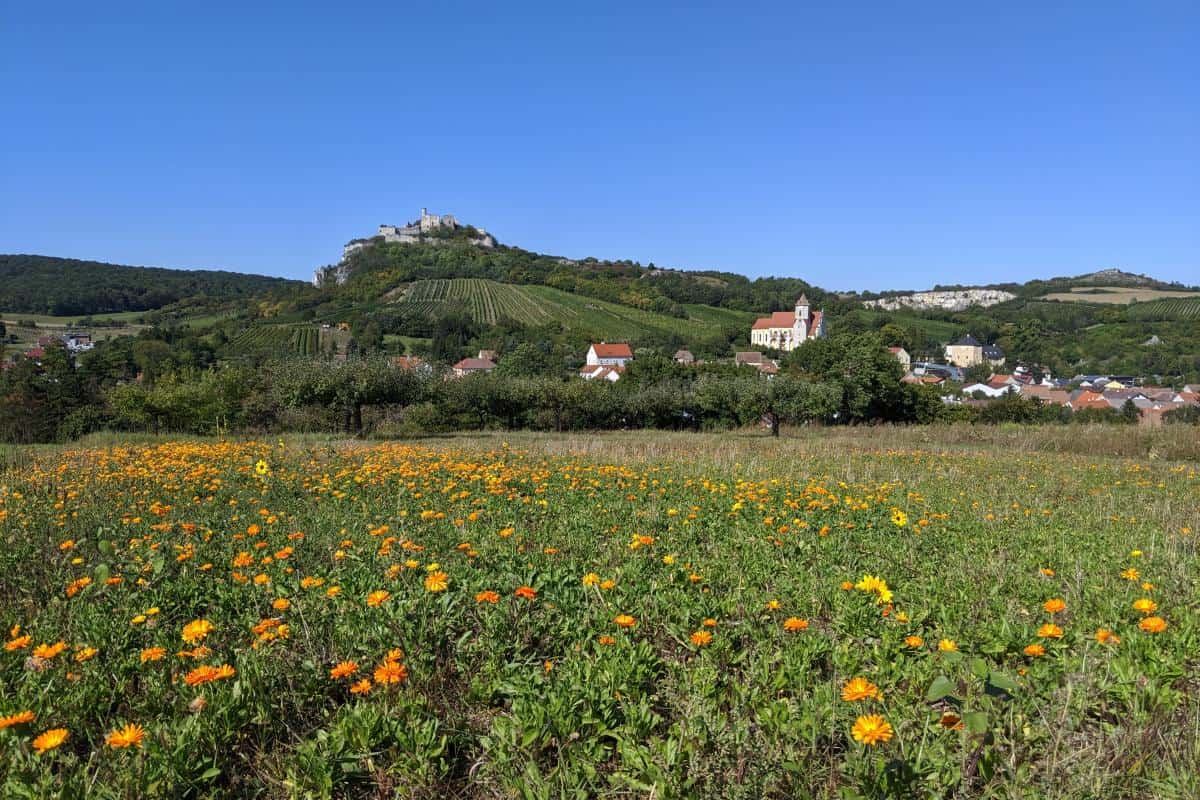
(415, 231)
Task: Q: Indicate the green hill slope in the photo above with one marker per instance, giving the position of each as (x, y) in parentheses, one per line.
(35, 284)
(489, 301)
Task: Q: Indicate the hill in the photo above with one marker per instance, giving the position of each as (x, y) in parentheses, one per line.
(35, 284)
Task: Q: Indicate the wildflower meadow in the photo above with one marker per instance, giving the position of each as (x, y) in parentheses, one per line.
(662, 616)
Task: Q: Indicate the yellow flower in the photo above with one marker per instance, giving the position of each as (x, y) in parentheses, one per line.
(914, 641)
(701, 638)
(378, 597)
(625, 621)
(795, 624)
(49, 651)
(129, 736)
(437, 581)
(1145, 605)
(1050, 631)
(947, 645)
(261, 467)
(1153, 624)
(872, 729)
(50, 739)
(899, 518)
(1035, 650)
(196, 630)
(591, 579)
(860, 689)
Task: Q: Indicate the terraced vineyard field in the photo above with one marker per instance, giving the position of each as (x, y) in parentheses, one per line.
(489, 301)
(299, 339)
(1179, 308)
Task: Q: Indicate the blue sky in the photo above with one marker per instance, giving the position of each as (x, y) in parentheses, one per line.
(856, 145)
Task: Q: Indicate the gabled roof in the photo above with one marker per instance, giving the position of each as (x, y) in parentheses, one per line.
(606, 350)
(475, 364)
(778, 319)
(748, 357)
(993, 351)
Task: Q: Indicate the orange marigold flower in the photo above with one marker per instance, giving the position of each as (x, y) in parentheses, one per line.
(49, 651)
(1050, 631)
(487, 597)
(1153, 624)
(872, 729)
(1131, 574)
(50, 739)
(437, 581)
(362, 687)
(20, 718)
(914, 641)
(390, 672)
(153, 654)
(526, 592)
(701, 638)
(624, 620)
(86, 654)
(794, 624)
(129, 736)
(378, 597)
(196, 630)
(206, 674)
(18, 643)
(606, 640)
(860, 689)
(281, 604)
(343, 669)
(1105, 636)
(1034, 650)
(1054, 605)
(1145, 605)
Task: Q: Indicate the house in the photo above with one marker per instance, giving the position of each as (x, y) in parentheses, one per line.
(902, 356)
(1046, 394)
(965, 353)
(489, 355)
(753, 358)
(79, 342)
(1086, 398)
(787, 330)
(993, 355)
(469, 366)
(609, 355)
(592, 372)
(684, 357)
(947, 372)
(988, 389)
(999, 381)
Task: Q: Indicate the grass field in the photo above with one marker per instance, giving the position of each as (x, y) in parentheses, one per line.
(870, 613)
(1116, 295)
(488, 301)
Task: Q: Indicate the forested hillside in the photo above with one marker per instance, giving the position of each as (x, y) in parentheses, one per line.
(36, 284)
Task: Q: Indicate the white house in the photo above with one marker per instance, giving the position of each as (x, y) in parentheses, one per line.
(989, 390)
(609, 355)
(787, 330)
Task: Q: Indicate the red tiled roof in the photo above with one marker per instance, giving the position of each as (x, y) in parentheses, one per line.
(475, 364)
(779, 319)
(605, 350)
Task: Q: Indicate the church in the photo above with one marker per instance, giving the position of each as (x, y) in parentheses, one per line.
(787, 330)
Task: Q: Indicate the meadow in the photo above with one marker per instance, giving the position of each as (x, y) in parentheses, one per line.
(836, 613)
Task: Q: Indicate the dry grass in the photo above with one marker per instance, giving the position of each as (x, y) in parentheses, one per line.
(1115, 295)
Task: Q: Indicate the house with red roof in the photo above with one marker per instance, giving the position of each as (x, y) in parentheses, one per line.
(787, 330)
(605, 354)
(469, 366)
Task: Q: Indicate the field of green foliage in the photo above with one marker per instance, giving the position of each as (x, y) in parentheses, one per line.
(841, 615)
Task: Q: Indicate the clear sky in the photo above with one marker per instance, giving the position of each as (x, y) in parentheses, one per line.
(856, 145)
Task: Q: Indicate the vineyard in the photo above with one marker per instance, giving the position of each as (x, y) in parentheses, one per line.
(1178, 308)
(488, 301)
(280, 339)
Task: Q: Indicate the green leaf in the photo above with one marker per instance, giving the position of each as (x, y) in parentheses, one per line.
(980, 668)
(941, 687)
(106, 547)
(101, 574)
(158, 564)
(210, 773)
(1003, 681)
(976, 722)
